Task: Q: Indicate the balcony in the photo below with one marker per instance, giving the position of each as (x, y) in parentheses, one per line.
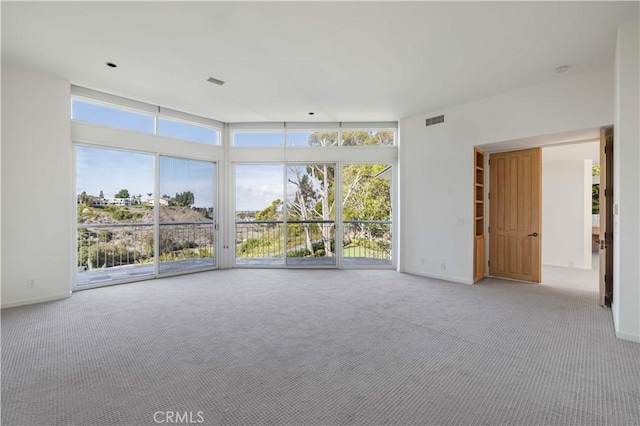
(312, 243)
(125, 251)
(119, 252)
(367, 242)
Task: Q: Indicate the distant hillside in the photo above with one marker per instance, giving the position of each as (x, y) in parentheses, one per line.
(137, 214)
(116, 245)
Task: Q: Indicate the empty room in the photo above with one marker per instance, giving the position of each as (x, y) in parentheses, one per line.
(320, 213)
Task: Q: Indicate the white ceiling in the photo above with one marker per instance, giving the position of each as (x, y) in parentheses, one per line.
(345, 61)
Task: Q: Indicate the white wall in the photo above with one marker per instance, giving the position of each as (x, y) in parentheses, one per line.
(36, 187)
(436, 175)
(566, 212)
(626, 169)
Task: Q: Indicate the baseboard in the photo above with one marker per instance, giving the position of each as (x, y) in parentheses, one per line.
(23, 302)
(440, 277)
(582, 268)
(628, 336)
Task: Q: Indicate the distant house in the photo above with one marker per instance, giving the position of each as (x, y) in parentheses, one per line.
(161, 202)
(103, 202)
(119, 201)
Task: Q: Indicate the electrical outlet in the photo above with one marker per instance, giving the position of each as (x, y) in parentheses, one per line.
(443, 266)
(31, 283)
(422, 261)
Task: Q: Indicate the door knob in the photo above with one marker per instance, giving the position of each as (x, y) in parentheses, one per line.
(535, 234)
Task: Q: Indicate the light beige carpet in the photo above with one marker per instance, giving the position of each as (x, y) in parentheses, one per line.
(318, 347)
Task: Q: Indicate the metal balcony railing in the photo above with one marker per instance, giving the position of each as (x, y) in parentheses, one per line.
(365, 242)
(259, 239)
(116, 247)
(186, 240)
(108, 245)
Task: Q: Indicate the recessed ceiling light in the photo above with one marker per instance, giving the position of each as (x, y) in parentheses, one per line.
(215, 81)
(311, 113)
(561, 69)
(112, 65)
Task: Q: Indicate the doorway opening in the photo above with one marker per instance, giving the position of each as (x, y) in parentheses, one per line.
(570, 225)
(576, 230)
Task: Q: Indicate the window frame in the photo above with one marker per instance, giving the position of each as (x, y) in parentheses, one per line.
(338, 127)
(217, 131)
(225, 155)
(117, 108)
(368, 130)
(137, 107)
(233, 136)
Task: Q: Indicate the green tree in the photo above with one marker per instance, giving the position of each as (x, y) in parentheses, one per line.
(123, 193)
(365, 196)
(101, 194)
(85, 199)
(595, 199)
(362, 138)
(355, 138)
(184, 199)
(313, 200)
(595, 192)
(383, 137)
(303, 205)
(270, 213)
(323, 139)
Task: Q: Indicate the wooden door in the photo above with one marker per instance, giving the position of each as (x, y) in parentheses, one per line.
(515, 204)
(606, 216)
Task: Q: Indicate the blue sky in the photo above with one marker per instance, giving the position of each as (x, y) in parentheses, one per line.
(263, 139)
(257, 185)
(110, 171)
(178, 175)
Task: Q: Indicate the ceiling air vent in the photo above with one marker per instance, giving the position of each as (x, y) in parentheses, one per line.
(435, 120)
(215, 81)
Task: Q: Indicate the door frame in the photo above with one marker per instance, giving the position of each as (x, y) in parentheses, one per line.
(606, 217)
(579, 139)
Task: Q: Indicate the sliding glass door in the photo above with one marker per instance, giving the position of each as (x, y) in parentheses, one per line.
(311, 215)
(259, 220)
(296, 233)
(122, 236)
(115, 225)
(366, 215)
(186, 205)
